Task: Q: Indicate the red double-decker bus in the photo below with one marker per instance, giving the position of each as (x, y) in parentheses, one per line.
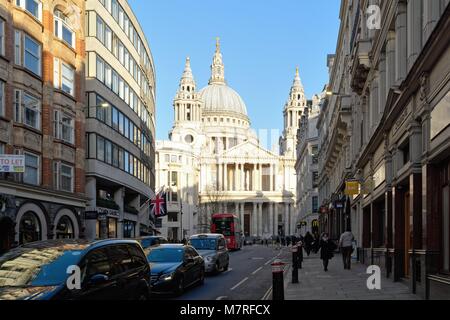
(230, 227)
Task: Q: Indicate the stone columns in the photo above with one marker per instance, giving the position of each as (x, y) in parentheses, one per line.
(220, 186)
(382, 86)
(401, 55)
(260, 219)
(275, 221)
(271, 219)
(271, 177)
(431, 17)
(236, 170)
(242, 180)
(225, 177)
(253, 229)
(286, 219)
(414, 11)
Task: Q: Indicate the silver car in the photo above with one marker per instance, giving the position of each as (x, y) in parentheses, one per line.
(213, 249)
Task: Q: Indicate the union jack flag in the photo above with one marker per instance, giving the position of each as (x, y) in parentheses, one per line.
(159, 204)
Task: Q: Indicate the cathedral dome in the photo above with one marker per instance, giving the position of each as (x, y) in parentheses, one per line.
(219, 98)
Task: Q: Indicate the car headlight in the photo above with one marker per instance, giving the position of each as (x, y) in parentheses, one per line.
(168, 276)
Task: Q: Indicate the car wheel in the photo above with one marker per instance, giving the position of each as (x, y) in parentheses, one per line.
(226, 266)
(180, 286)
(217, 268)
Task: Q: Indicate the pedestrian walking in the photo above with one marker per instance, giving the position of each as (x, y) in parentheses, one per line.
(316, 243)
(346, 246)
(327, 248)
(308, 243)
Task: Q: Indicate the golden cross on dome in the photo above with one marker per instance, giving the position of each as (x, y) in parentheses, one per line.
(217, 44)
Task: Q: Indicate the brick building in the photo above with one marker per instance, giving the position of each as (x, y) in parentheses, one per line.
(42, 93)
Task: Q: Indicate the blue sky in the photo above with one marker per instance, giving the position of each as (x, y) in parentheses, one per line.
(262, 42)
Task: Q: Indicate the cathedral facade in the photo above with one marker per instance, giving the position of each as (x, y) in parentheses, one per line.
(214, 162)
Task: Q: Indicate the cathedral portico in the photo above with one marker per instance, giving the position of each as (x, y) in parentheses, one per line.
(232, 171)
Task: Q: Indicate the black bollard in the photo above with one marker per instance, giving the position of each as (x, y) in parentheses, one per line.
(295, 264)
(278, 282)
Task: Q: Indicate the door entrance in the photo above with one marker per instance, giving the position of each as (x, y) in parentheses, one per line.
(6, 234)
(247, 225)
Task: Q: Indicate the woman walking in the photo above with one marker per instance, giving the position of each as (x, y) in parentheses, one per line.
(327, 248)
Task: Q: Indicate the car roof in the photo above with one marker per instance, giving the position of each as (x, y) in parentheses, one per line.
(73, 244)
(207, 235)
(172, 246)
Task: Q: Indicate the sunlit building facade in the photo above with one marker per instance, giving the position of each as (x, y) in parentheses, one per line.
(42, 63)
(120, 122)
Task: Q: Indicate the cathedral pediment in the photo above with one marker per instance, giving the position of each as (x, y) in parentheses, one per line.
(249, 150)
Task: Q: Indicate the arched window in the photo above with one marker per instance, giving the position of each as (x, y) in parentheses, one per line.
(63, 30)
(64, 229)
(30, 228)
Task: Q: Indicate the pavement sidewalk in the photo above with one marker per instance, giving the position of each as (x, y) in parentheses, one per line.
(340, 284)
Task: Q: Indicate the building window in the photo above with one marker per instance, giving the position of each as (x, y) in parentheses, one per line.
(63, 30)
(32, 6)
(32, 166)
(30, 51)
(32, 55)
(29, 229)
(2, 37)
(100, 148)
(63, 76)
(315, 204)
(64, 229)
(27, 109)
(63, 127)
(2, 98)
(63, 177)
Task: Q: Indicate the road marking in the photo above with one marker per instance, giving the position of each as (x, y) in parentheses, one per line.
(267, 295)
(229, 270)
(239, 284)
(257, 270)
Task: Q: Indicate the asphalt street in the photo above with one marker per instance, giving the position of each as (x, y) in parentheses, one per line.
(248, 278)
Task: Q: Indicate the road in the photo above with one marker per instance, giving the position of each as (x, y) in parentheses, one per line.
(248, 278)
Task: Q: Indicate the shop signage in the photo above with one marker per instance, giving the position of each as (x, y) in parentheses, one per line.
(101, 213)
(12, 163)
(351, 187)
(339, 205)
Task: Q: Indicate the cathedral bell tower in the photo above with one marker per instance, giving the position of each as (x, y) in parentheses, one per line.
(293, 111)
(187, 104)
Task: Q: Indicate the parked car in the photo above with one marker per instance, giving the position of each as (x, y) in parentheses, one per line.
(213, 249)
(151, 241)
(109, 270)
(175, 267)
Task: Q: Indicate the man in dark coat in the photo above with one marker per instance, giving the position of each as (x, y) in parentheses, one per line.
(327, 248)
(308, 243)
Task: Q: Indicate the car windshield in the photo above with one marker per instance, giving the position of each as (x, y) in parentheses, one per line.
(148, 242)
(162, 255)
(223, 226)
(37, 268)
(204, 244)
